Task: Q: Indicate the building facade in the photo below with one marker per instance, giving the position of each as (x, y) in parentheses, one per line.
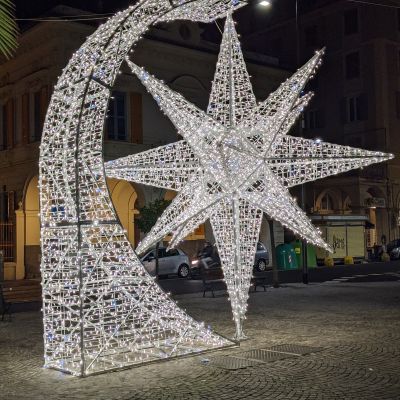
(356, 103)
(175, 53)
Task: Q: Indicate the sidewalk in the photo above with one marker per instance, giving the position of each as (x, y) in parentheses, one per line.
(356, 325)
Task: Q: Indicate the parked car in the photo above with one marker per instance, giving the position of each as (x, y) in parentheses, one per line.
(261, 261)
(171, 262)
(393, 249)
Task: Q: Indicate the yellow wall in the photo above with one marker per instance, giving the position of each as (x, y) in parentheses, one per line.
(123, 196)
(198, 233)
(32, 222)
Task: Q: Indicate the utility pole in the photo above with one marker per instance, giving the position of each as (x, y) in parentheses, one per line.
(275, 274)
(303, 204)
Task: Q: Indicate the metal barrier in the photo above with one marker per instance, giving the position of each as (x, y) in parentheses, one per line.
(7, 241)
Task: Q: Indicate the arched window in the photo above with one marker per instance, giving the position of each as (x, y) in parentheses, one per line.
(347, 204)
(326, 203)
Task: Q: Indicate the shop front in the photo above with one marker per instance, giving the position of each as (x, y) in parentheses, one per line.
(346, 234)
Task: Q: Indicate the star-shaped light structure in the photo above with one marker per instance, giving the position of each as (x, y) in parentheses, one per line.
(235, 163)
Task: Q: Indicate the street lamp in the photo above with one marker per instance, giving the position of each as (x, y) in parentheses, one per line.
(265, 3)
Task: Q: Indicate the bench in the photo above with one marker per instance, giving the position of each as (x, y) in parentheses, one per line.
(18, 292)
(5, 306)
(259, 281)
(210, 277)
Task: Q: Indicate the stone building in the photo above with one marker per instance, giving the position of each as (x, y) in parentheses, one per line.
(175, 53)
(356, 103)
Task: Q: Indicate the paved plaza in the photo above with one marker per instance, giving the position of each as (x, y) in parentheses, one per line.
(354, 328)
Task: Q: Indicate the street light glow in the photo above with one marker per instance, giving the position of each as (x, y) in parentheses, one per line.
(265, 3)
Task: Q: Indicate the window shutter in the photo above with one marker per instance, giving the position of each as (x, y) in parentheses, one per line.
(136, 118)
(10, 123)
(25, 118)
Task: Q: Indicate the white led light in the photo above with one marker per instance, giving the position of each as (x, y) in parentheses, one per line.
(264, 3)
(101, 309)
(236, 161)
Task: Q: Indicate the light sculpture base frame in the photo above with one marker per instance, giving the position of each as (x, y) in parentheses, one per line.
(101, 310)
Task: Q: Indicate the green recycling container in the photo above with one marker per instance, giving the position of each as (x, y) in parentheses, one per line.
(311, 256)
(286, 257)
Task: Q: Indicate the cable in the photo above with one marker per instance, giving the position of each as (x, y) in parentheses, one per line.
(79, 17)
(60, 20)
(373, 4)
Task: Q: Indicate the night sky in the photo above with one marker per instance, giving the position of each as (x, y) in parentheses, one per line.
(250, 18)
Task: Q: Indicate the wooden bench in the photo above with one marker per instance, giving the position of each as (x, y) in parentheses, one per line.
(17, 292)
(5, 306)
(259, 281)
(210, 277)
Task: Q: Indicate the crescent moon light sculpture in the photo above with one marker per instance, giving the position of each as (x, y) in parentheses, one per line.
(101, 310)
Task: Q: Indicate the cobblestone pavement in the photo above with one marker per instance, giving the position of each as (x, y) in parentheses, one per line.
(356, 324)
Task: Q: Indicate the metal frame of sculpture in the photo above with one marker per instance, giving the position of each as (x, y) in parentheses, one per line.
(101, 310)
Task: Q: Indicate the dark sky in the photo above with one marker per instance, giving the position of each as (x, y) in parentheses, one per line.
(250, 18)
(29, 8)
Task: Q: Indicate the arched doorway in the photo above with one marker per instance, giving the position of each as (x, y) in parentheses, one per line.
(28, 231)
(327, 202)
(124, 196)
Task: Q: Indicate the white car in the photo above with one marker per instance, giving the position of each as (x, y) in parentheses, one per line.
(171, 262)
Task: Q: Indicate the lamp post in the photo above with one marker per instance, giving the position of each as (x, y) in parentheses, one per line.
(303, 205)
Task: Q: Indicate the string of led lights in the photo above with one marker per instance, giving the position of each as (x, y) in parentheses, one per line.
(236, 161)
(101, 309)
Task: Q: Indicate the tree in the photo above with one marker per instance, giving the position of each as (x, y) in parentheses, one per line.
(148, 216)
(8, 28)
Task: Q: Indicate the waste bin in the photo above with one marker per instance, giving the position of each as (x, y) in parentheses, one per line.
(311, 256)
(286, 257)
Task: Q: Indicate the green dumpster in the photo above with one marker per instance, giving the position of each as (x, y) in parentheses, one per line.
(286, 257)
(311, 256)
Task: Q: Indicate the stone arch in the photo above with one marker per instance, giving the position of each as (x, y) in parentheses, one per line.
(124, 197)
(328, 201)
(347, 203)
(28, 230)
(31, 208)
(187, 81)
(192, 88)
(375, 191)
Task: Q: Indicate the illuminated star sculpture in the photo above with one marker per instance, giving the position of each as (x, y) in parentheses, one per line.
(235, 163)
